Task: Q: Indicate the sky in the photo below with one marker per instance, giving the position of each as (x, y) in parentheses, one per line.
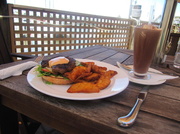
(114, 8)
(177, 13)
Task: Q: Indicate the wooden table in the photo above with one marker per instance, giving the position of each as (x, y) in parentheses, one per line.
(160, 113)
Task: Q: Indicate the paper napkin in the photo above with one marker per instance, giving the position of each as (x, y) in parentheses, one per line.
(16, 70)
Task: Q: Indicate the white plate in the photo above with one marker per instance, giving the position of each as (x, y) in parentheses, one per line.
(154, 80)
(118, 83)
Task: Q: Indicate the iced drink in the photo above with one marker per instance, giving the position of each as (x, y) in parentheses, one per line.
(145, 42)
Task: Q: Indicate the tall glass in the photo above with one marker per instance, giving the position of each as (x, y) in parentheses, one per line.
(145, 42)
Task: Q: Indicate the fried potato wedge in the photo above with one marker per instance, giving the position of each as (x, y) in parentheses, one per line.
(87, 63)
(83, 76)
(75, 73)
(89, 78)
(98, 69)
(110, 73)
(92, 77)
(105, 79)
(84, 87)
(89, 87)
(94, 68)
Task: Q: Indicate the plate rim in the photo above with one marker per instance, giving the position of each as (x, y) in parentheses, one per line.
(75, 98)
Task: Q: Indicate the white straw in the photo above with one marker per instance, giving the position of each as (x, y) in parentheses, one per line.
(65, 25)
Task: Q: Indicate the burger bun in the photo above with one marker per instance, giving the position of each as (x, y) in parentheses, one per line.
(57, 80)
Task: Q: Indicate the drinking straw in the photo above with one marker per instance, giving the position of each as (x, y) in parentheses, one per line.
(65, 25)
(151, 14)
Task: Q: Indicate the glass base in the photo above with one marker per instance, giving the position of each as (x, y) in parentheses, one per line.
(145, 77)
(176, 66)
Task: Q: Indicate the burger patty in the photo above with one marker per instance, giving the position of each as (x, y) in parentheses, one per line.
(60, 68)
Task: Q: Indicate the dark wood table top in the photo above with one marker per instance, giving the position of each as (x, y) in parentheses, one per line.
(160, 112)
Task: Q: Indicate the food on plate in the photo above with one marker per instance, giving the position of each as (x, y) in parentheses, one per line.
(89, 87)
(53, 70)
(92, 77)
(77, 73)
(59, 65)
(84, 77)
(57, 80)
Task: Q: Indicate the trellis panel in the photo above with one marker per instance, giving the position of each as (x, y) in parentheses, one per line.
(39, 31)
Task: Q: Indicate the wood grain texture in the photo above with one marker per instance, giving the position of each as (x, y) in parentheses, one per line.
(159, 112)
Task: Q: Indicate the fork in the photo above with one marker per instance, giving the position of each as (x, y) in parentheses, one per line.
(39, 59)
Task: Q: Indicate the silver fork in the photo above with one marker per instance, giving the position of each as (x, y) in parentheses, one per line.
(39, 59)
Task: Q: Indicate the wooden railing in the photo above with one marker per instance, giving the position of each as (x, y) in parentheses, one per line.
(39, 31)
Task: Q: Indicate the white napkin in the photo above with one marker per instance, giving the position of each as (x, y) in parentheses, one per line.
(16, 70)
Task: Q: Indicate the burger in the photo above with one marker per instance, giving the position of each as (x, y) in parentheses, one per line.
(53, 70)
